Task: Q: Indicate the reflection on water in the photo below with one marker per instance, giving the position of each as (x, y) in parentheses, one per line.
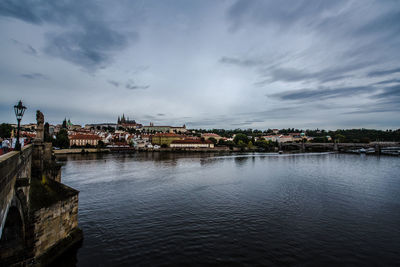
(237, 209)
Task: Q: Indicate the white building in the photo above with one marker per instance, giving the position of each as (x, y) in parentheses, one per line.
(192, 143)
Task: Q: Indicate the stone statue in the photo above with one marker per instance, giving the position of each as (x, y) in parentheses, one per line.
(39, 126)
(39, 117)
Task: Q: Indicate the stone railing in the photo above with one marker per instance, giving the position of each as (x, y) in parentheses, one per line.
(13, 165)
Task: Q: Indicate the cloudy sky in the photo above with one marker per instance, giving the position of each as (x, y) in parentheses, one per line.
(209, 64)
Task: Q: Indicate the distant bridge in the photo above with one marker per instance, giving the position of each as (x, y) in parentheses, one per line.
(338, 146)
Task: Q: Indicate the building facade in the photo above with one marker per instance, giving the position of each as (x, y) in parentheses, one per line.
(192, 143)
(165, 139)
(84, 139)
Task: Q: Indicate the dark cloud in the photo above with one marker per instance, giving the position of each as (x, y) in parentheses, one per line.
(335, 21)
(114, 83)
(241, 62)
(387, 24)
(278, 13)
(383, 72)
(130, 85)
(34, 76)
(389, 81)
(323, 93)
(387, 100)
(88, 40)
(160, 114)
(277, 72)
(89, 48)
(392, 93)
(26, 48)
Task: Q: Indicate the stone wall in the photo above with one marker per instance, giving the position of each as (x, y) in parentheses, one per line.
(79, 150)
(13, 165)
(54, 223)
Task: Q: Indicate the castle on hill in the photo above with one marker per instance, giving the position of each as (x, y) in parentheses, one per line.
(127, 123)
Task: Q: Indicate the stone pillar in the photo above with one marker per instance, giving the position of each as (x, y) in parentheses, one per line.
(37, 159)
(38, 147)
(377, 149)
(335, 147)
(48, 152)
(39, 126)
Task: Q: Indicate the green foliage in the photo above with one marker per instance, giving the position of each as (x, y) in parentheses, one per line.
(250, 145)
(64, 123)
(212, 139)
(5, 130)
(349, 136)
(61, 140)
(340, 138)
(358, 135)
(264, 144)
(100, 144)
(321, 139)
(229, 143)
(241, 144)
(240, 137)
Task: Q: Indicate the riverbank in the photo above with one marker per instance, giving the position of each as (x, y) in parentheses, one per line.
(127, 150)
(81, 150)
(222, 149)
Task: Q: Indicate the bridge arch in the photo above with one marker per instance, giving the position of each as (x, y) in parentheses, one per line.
(13, 238)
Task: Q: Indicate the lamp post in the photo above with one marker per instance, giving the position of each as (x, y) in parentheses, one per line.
(19, 112)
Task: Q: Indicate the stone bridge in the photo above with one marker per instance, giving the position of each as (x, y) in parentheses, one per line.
(38, 214)
(15, 175)
(337, 146)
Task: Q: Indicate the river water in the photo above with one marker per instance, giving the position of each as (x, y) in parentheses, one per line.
(157, 209)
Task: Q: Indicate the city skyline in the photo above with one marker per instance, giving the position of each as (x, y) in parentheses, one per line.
(206, 64)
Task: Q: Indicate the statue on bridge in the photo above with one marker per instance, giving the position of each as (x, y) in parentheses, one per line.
(40, 126)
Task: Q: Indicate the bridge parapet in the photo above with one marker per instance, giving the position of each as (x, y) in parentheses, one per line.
(13, 165)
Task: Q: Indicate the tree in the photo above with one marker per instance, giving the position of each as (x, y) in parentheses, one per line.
(250, 145)
(212, 139)
(340, 138)
(240, 137)
(241, 144)
(100, 143)
(64, 124)
(5, 130)
(262, 144)
(62, 140)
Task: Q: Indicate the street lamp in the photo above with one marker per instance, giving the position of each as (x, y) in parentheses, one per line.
(19, 112)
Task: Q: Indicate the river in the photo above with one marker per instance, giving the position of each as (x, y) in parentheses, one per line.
(157, 209)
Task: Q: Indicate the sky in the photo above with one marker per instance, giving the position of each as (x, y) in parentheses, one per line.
(208, 64)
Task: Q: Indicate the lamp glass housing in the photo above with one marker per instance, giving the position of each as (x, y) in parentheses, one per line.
(19, 110)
